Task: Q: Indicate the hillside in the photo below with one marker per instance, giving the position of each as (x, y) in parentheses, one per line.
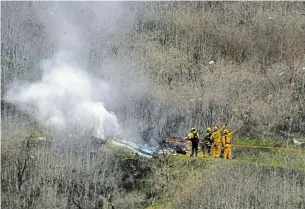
(75, 75)
(46, 175)
(155, 58)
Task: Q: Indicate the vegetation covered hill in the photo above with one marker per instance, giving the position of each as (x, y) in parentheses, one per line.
(169, 66)
(45, 174)
(156, 58)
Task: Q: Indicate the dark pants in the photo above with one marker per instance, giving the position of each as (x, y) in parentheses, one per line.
(195, 147)
(209, 147)
(206, 147)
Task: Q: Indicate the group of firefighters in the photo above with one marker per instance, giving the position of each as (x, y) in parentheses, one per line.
(213, 142)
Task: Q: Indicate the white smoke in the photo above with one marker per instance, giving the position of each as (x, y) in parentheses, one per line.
(66, 97)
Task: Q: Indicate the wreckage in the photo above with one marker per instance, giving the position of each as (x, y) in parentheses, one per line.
(169, 146)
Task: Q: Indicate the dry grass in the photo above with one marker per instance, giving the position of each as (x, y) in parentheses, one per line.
(246, 186)
(39, 174)
(257, 179)
(36, 174)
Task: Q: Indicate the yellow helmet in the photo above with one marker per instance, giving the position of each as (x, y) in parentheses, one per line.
(225, 131)
(209, 129)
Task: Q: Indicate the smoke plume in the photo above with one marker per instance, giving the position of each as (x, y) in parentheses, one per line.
(66, 97)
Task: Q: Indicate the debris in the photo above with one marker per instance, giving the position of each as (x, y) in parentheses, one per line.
(211, 62)
(303, 68)
(42, 139)
(298, 143)
(282, 73)
(166, 151)
(32, 156)
(270, 18)
(144, 151)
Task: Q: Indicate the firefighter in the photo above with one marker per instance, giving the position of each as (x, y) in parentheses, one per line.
(216, 138)
(194, 137)
(207, 143)
(226, 143)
